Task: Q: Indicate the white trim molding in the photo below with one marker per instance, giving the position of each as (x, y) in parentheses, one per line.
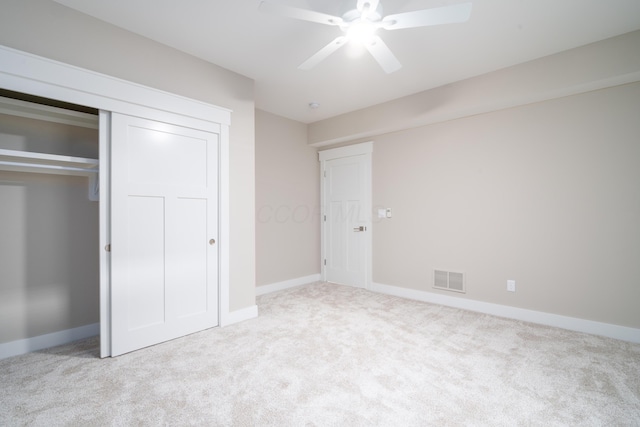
(27, 345)
(36, 75)
(349, 150)
(224, 227)
(623, 333)
(287, 284)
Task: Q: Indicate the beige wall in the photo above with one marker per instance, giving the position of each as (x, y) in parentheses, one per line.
(598, 65)
(545, 194)
(529, 173)
(287, 201)
(48, 29)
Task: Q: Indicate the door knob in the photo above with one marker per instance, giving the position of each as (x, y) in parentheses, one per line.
(212, 242)
(361, 228)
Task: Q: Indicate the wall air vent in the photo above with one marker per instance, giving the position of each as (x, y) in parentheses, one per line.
(448, 280)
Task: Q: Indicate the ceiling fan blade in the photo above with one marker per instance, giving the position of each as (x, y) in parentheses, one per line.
(381, 52)
(296, 13)
(323, 53)
(427, 17)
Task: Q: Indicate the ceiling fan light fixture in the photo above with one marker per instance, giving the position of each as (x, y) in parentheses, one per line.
(360, 25)
(362, 32)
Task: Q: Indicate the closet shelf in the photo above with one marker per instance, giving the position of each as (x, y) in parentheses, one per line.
(15, 107)
(44, 163)
(25, 161)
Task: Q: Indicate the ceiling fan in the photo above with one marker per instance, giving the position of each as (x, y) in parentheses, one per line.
(360, 25)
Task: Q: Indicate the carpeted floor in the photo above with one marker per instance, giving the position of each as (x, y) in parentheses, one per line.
(330, 355)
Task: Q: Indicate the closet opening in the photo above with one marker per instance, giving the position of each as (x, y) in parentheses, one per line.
(49, 217)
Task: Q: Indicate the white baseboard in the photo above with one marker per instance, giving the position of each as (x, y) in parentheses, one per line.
(292, 283)
(241, 315)
(571, 323)
(27, 345)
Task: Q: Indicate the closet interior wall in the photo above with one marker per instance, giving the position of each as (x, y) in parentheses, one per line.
(49, 265)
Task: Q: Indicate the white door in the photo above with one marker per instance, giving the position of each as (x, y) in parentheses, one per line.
(164, 228)
(347, 222)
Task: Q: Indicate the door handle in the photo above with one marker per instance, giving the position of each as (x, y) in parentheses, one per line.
(359, 229)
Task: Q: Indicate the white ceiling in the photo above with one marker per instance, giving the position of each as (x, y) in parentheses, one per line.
(235, 35)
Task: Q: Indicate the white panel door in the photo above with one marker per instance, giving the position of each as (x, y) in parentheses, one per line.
(164, 228)
(347, 224)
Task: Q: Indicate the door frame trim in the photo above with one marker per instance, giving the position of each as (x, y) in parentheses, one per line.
(366, 149)
(35, 75)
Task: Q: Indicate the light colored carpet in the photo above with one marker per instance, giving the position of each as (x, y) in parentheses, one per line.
(329, 355)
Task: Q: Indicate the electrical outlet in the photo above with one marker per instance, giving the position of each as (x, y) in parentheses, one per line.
(511, 285)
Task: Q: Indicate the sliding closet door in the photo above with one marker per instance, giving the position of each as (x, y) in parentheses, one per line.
(164, 232)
